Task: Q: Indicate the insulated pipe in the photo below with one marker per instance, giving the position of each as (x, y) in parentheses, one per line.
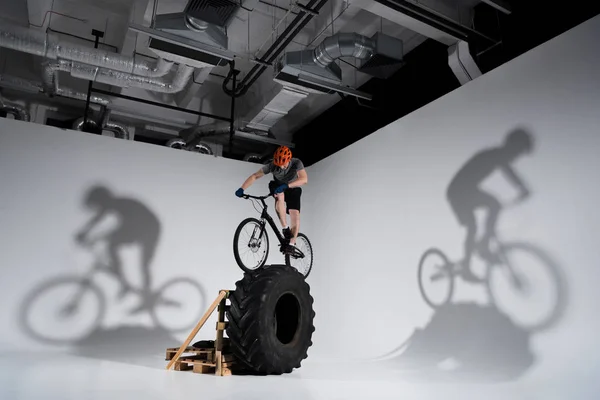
(121, 79)
(51, 87)
(36, 87)
(343, 45)
(49, 45)
(120, 130)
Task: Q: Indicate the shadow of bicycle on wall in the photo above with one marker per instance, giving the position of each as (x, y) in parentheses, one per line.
(525, 286)
(78, 312)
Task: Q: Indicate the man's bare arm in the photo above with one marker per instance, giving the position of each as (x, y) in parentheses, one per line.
(257, 175)
(302, 179)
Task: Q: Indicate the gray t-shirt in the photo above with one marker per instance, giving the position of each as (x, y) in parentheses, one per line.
(284, 176)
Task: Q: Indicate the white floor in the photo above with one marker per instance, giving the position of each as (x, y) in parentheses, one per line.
(71, 377)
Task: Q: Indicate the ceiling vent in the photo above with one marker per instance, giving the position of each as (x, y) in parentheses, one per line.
(202, 20)
(196, 37)
(388, 54)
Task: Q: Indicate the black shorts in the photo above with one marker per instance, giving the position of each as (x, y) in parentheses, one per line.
(291, 195)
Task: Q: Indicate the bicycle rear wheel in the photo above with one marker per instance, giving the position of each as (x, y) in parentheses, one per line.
(302, 264)
(434, 267)
(63, 310)
(250, 245)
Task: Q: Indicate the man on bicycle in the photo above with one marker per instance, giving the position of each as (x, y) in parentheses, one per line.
(465, 195)
(288, 175)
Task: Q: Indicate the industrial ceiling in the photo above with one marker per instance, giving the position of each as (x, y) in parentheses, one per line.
(228, 77)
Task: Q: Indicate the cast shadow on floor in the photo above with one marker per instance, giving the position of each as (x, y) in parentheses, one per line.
(465, 342)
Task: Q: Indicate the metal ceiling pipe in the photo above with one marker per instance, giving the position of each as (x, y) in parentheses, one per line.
(25, 85)
(51, 87)
(79, 124)
(120, 130)
(343, 45)
(297, 24)
(19, 112)
(181, 144)
(121, 79)
(49, 45)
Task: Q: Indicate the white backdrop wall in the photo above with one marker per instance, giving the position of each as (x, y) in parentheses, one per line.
(45, 174)
(381, 203)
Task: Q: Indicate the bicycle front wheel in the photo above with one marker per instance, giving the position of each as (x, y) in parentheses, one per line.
(529, 287)
(250, 245)
(302, 263)
(436, 281)
(63, 310)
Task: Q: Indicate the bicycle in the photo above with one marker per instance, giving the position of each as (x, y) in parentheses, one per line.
(500, 261)
(74, 306)
(301, 260)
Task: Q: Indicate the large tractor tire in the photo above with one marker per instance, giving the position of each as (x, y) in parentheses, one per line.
(271, 320)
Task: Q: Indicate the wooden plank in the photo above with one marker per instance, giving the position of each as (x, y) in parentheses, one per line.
(203, 369)
(228, 357)
(222, 326)
(194, 331)
(219, 340)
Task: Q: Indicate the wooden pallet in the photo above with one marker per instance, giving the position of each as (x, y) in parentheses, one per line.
(215, 360)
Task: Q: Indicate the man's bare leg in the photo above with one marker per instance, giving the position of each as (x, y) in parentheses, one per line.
(295, 217)
(280, 207)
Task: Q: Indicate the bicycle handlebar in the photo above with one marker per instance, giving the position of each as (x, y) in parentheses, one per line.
(248, 196)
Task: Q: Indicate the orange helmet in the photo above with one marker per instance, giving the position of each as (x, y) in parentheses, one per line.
(282, 156)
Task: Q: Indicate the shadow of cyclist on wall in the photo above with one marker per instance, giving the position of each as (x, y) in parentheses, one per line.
(465, 194)
(137, 225)
(76, 311)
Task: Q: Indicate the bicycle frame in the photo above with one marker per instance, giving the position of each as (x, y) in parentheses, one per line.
(265, 216)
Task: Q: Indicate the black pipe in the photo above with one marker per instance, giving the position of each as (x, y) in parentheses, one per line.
(285, 43)
(231, 127)
(98, 35)
(257, 70)
(153, 103)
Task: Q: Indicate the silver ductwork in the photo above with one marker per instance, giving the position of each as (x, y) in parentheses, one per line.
(120, 130)
(181, 144)
(343, 45)
(381, 56)
(19, 112)
(80, 123)
(110, 77)
(49, 45)
(25, 85)
(286, 99)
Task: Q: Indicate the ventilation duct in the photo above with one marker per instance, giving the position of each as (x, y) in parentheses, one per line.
(286, 99)
(25, 85)
(202, 21)
(253, 157)
(382, 55)
(48, 45)
(120, 131)
(462, 63)
(116, 78)
(17, 111)
(181, 144)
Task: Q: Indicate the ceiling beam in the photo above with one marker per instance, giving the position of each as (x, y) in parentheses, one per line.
(424, 22)
(396, 12)
(499, 5)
